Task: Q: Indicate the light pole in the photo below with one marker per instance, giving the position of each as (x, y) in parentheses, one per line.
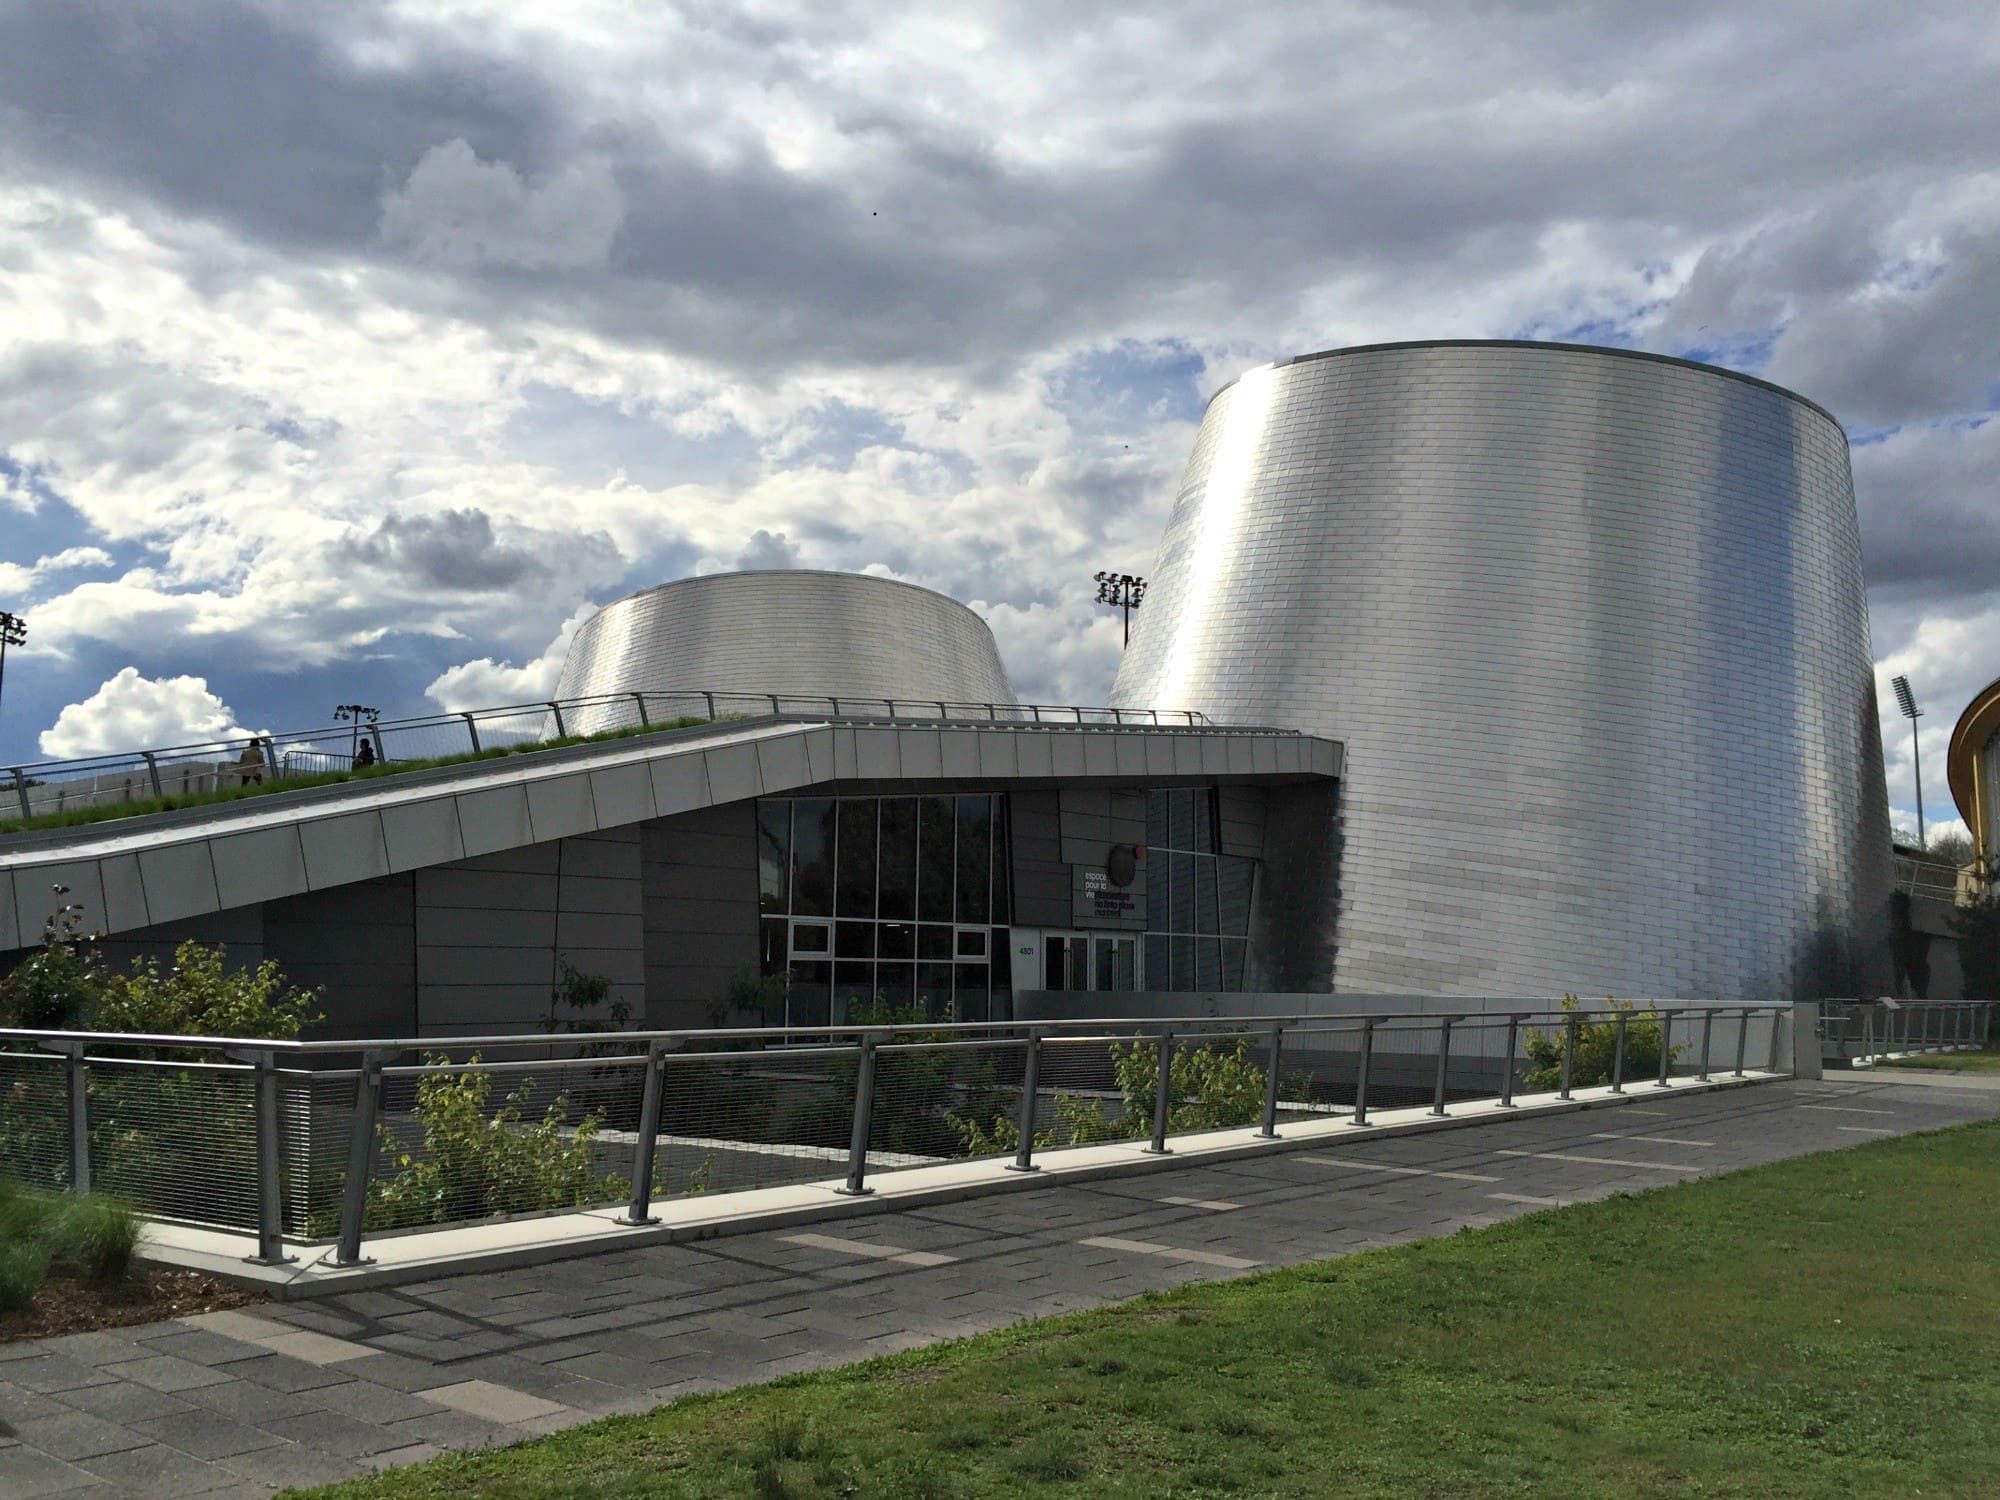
(1121, 591)
(356, 714)
(13, 632)
(1907, 702)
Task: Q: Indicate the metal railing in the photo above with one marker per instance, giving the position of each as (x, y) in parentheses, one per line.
(1927, 878)
(333, 1141)
(1863, 1031)
(40, 788)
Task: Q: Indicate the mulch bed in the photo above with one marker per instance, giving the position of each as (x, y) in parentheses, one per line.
(148, 1295)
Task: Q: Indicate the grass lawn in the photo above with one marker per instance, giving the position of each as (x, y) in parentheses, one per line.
(1829, 1326)
(1986, 1060)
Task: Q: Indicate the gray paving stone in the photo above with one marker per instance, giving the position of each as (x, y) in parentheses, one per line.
(26, 1474)
(289, 1466)
(207, 1434)
(280, 1372)
(50, 1374)
(335, 1433)
(123, 1402)
(156, 1470)
(368, 1402)
(76, 1434)
(165, 1373)
(249, 1402)
(453, 1429)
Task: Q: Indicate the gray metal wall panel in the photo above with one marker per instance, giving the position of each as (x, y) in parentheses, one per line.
(800, 633)
(1592, 632)
(699, 874)
(359, 941)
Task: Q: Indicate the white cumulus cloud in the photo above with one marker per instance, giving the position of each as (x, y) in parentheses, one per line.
(21, 578)
(486, 683)
(131, 712)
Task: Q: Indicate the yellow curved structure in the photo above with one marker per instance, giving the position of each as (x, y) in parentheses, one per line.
(1973, 767)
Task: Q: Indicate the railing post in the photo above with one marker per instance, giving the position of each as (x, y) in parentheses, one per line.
(472, 730)
(556, 708)
(1024, 1155)
(1867, 1030)
(1444, 1061)
(1618, 1056)
(77, 1073)
(1569, 1053)
(1707, 1031)
(645, 722)
(1507, 1063)
(1163, 1094)
(709, 699)
(640, 1209)
(1777, 1013)
(153, 771)
(864, 1108)
(270, 1163)
(360, 1160)
(1742, 1038)
(1666, 1049)
(1361, 1076)
(1270, 1128)
(21, 791)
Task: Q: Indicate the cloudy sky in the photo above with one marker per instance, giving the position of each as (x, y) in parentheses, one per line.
(355, 350)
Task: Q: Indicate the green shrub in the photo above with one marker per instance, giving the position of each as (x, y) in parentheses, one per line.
(93, 1234)
(87, 1233)
(23, 1264)
(477, 1164)
(1596, 1047)
(1214, 1087)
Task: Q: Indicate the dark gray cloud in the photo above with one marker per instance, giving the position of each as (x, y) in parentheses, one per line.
(221, 109)
(460, 551)
(1313, 146)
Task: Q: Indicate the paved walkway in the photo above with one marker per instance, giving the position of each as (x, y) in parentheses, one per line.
(300, 1393)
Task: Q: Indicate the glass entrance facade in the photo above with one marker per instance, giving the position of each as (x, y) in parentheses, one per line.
(901, 898)
(1197, 898)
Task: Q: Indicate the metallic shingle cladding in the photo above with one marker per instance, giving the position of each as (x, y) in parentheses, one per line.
(793, 632)
(1592, 629)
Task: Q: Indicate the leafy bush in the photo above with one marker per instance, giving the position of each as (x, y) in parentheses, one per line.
(582, 1003)
(477, 1163)
(57, 987)
(201, 996)
(1596, 1047)
(1214, 1087)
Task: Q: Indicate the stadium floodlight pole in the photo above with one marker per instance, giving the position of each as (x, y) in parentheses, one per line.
(356, 714)
(1907, 702)
(1121, 591)
(13, 632)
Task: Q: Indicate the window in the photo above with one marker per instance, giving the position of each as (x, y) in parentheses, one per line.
(1197, 898)
(890, 897)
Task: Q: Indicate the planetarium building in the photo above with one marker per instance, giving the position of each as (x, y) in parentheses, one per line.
(1467, 670)
(1590, 625)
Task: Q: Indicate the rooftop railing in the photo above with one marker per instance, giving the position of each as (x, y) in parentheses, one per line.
(44, 788)
(330, 1142)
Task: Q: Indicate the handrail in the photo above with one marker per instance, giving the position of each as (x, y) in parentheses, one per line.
(284, 1141)
(1101, 1027)
(234, 761)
